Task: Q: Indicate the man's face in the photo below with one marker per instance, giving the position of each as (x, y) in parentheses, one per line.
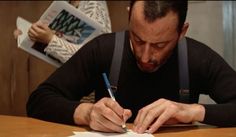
(152, 43)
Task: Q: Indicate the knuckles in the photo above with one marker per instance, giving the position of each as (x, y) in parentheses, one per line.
(106, 112)
(151, 113)
(162, 100)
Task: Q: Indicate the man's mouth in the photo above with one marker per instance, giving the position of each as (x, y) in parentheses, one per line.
(146, 66)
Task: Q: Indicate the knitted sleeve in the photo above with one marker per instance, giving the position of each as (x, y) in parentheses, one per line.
(61, 49)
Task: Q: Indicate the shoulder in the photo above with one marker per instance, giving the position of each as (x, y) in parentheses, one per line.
(106, 37)
(194, 45)
(198, 50)
(107, 40)
(201, 56)
(204, 59)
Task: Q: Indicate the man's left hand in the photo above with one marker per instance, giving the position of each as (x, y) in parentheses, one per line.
(163, 111)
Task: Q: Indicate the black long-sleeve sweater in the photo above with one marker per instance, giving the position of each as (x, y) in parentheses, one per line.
(56, 98)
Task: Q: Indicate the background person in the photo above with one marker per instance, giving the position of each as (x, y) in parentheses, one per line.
(58, 47)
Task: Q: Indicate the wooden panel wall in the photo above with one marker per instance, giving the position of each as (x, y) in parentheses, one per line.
(118, 14)
(20, 73)
(16, 66)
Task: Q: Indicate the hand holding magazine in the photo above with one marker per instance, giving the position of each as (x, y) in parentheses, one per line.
(68, 23)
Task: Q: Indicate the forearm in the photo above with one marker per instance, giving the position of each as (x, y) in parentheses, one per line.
(61, 49)
(51, 107)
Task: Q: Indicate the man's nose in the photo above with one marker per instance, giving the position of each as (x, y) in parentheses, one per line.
(146, 54)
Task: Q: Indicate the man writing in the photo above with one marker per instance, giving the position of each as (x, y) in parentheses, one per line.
(148, 87)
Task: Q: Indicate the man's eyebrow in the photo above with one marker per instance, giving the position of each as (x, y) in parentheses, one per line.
(136, 36)
(160, 42)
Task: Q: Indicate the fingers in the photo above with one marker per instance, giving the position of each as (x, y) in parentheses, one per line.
(42, 25)
(127, 114)
(39, 31)
(16, 33)
(114, 106)
(95, 125)
(144, 111)
(32, 34)
(157, 113)
(107, 115)
(110, 125)
(100, 123)
(150, 116)
(37, 28)
(167, 114)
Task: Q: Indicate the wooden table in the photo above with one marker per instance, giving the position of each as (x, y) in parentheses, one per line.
(12, 126)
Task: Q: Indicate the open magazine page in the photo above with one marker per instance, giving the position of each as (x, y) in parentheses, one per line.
(69, 24)
(26, 44)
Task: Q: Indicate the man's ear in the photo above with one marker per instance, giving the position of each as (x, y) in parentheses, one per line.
(184, 30)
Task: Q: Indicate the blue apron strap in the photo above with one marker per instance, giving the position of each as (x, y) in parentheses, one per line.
(183, 71)
(117, 59)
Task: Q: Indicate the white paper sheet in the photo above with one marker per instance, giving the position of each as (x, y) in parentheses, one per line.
(130, 133)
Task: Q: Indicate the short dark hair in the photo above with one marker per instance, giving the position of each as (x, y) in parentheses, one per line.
(158, 9)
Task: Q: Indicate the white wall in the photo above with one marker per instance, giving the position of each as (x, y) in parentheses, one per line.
(206, 25)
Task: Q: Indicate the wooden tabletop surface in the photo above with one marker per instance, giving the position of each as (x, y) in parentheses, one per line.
(14, 126)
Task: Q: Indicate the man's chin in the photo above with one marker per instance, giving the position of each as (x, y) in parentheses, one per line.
(148, 70)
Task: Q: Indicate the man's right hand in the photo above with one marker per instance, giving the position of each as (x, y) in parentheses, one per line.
(106, 115)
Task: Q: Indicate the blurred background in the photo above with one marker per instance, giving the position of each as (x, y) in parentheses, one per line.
(211, 22)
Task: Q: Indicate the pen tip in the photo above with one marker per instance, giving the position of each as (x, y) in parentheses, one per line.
(124, 128)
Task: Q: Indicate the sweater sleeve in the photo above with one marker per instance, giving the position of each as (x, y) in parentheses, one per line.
(221, 85)
(61, 49)
(56, 98)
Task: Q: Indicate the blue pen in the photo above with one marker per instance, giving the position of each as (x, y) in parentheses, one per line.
(108, 86)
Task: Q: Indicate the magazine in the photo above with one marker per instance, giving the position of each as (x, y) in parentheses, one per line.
(68, 23)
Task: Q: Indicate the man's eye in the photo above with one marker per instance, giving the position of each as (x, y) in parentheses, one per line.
(158, 45)
(139, 41)
(161, 45)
